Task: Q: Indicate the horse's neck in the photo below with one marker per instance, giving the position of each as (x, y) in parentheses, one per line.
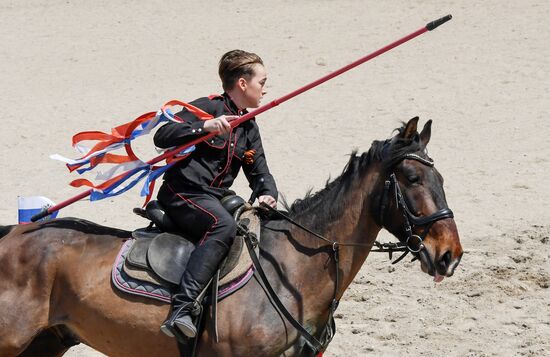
(306, 256)
(356, 225)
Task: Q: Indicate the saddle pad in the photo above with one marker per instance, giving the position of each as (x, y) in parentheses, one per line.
(127, 284)
(243, 262)
(233, 256)
(141, 274)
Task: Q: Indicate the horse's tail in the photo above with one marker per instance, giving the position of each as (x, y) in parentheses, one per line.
(4, 230)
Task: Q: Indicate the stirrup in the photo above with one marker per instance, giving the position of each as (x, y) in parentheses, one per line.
(171, 328)
(168, 328)
(172, 331)
(186, 326)
(194, 308)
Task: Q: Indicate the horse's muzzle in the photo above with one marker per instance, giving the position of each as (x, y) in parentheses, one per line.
(442, 266)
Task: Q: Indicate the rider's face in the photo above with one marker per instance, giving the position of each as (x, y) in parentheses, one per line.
(254, 88)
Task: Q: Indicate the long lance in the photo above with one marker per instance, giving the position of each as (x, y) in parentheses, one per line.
(428, 27)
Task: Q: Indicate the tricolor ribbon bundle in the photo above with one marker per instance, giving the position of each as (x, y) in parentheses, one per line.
(128, 169)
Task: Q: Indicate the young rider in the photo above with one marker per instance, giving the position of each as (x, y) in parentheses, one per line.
(192, 189)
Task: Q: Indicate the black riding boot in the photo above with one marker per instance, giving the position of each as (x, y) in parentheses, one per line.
(203, 263)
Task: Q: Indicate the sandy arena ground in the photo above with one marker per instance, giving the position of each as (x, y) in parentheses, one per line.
(484, 78)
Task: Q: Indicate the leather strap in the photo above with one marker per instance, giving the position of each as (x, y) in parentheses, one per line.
(384, 201)
(215, 281)
(287, 218)
(311, 340)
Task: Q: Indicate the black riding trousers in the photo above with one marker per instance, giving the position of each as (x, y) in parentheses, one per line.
(202, 218)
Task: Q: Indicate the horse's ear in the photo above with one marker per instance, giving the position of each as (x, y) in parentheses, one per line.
(410, 129)
(426, 133)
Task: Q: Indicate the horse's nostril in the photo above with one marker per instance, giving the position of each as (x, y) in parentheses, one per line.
(444, 262)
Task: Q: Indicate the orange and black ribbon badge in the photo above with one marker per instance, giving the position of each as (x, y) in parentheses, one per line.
(249, 156)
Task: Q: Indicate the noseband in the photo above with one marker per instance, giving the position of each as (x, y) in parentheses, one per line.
(414, 242)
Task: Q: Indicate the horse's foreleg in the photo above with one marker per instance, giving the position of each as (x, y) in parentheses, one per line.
(52, 342)
(27, 272)
(21, 319)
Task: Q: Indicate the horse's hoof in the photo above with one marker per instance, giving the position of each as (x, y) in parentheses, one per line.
(186, 326)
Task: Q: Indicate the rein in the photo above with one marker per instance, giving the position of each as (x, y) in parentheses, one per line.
(316, 345)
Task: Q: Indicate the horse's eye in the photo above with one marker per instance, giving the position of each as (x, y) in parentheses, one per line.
(413, 178)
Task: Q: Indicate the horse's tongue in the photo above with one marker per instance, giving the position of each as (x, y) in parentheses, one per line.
(438, 278)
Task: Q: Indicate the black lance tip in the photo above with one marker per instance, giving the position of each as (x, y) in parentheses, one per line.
(434, 24)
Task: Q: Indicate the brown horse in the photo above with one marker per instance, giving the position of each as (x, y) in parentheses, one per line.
(55, 285)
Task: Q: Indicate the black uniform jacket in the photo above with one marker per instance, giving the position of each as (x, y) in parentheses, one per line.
(215, 163)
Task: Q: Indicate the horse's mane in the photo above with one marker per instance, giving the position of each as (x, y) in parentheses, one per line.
(4, 230)
(327, 201)
(83, 226)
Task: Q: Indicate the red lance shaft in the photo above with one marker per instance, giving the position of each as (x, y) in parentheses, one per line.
(429, 27)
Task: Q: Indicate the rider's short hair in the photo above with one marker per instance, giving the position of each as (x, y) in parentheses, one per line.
(237, 64)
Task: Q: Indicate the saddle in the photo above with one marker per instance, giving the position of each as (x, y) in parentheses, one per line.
(160, 253)
(152, 263)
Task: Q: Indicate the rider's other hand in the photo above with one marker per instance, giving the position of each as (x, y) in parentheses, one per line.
(270, 201)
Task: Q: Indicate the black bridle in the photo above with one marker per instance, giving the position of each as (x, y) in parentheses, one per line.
(412, 243)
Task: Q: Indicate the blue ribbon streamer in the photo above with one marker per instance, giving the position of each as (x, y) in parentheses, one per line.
(109, 191)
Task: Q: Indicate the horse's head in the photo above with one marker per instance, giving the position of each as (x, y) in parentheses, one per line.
(413, 204)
